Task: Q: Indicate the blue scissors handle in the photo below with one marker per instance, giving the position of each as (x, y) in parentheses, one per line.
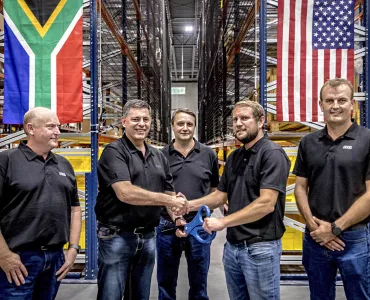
(196, 224)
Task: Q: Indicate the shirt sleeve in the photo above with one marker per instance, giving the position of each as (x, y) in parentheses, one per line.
(300, 167)
(75, 200)
(168, 187)
(275, 170)
(112, 167)
(3, 171)
(215, 176)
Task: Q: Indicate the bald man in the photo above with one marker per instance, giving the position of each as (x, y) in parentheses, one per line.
(39, 212)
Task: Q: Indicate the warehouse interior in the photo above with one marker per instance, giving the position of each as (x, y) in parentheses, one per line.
(201, 54)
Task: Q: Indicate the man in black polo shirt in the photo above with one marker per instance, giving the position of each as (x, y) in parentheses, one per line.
(194, 168)
(39, 212)
(333, 195)
(134, 184)
(254, 182)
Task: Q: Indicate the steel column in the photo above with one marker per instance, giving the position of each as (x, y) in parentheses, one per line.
(124, 58)
(237, 50)
(263, 56)
(91, 179)
(367, 62)
(138, 51)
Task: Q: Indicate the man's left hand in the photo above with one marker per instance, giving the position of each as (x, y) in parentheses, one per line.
(70, 257)
(213, 224)
(323, 233)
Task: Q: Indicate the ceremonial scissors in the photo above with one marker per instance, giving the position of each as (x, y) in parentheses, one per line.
(196, 224)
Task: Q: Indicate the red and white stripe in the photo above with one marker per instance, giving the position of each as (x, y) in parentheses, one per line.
(301, 69)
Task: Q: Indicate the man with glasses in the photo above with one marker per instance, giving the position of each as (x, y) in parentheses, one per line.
(39, 212)
(134, 184)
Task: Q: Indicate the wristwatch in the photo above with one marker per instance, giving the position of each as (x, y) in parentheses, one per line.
(77, 247)
(335, 229)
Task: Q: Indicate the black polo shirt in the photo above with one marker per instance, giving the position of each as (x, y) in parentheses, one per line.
(264, 166)
(35, 198)
(193, 175)
(337, 171)
(122, 161)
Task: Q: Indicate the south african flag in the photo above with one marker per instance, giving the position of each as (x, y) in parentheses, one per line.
(43, 58)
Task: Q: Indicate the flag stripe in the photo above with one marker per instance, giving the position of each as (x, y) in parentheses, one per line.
(302, 76)
(69, 90)
(291, 52)
(279, 92)
(309, 62)
(297, 61)
(56, 50)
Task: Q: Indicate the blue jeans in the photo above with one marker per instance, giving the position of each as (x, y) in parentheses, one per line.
(353, 263)
(169, 251)
(125, 259)
(253, 272)
(41, 282)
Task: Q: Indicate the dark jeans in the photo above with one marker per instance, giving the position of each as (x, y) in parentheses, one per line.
(169, 251)
(353, 263)
(41, 282)
(125, 258)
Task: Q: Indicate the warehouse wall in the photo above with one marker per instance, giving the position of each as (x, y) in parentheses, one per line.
(189, 100)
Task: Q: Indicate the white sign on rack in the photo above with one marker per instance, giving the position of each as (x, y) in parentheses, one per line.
(178, 90)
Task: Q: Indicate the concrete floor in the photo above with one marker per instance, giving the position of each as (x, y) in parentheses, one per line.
(216, 282)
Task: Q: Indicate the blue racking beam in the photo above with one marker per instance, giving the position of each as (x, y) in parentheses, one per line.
(367, 62)
(124, 58)
(263, 56)
(91, 178)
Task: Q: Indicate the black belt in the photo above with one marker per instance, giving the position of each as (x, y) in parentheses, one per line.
(40, 248)
(252, 241)
(118, 229)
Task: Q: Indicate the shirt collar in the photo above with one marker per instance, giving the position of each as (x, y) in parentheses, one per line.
(31, 155)
(172, 149)
(258, 145)
(349, 134)
(132, 147)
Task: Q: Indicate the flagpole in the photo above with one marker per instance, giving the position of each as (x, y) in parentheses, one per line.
(367, 62)
(91, 178)
(263, 56)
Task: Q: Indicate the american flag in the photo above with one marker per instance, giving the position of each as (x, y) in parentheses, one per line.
(315, 43)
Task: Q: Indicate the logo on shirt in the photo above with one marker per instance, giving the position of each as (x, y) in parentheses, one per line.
(347, 147)
(62, 174)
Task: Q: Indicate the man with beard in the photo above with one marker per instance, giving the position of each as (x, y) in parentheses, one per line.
(194, 168)
(254, 182)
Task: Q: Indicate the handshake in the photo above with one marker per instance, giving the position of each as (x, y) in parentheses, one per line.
(179, 205)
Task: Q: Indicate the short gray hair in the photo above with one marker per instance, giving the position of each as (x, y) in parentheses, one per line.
(136, 103)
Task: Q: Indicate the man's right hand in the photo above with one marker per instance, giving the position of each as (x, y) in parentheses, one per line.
(334, 245)
(179, 204)
(12, 266)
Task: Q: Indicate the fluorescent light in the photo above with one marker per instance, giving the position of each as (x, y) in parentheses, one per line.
(188, 28)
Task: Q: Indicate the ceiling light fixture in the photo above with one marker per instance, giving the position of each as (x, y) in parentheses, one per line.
(188, 28)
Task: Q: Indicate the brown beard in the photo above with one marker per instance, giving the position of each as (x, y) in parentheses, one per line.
(248, 138)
